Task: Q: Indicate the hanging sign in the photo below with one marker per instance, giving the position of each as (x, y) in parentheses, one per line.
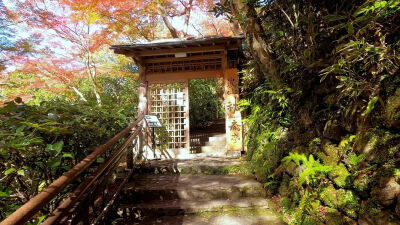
(152, 121)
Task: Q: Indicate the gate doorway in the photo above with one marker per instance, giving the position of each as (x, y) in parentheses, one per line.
(162, 64)
(207, 114)
(169, 102)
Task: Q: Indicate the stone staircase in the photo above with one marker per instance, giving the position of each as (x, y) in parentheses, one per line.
(193, 191)
(215, 144)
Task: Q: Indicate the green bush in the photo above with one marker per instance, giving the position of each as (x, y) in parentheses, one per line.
(205, 101)
(41, 141)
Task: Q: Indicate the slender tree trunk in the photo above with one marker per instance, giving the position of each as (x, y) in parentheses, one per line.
(79, 93)
(90, 65)
(167, 23)
(92, 75)
(256, 40)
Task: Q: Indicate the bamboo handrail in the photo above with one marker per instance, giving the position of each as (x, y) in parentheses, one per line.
(29, 209)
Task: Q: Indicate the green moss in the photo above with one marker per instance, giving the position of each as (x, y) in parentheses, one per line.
(349, 202)
(309, 220)
(361, 182)
(377, 144)
(328, 196)
(314, 145)
(333, 216)
(345, 200)
(284, 187)
(315, 206)
(286, 204)
(235, 211)
(371, 208)
(330, 155)
(392, 112)
(340, 175)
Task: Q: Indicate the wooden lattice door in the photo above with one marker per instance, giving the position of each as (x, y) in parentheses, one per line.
(170, 102)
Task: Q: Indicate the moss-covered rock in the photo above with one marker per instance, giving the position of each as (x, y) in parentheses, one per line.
(329, 196)
(372, 213)
(392, 110)
(348, 202)
(340, 175)
(385, 217)
(361, 182)
(376, 143)
(386, 191)
(333, 216)
(344, 200)
(284, 186)
(330, 154)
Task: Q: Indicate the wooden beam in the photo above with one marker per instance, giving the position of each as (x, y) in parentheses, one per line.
(176, 50)
(166, 78)
(172, 59)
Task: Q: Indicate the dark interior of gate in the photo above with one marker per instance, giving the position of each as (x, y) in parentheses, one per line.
(165, 70)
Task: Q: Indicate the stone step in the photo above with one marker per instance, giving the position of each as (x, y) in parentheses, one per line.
(216, 143)
(217, 138)
(212, 149)
(149, 187)
(262, 218)
(205, 164)
(180, 206)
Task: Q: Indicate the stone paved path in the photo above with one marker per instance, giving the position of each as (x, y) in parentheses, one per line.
(179, 192)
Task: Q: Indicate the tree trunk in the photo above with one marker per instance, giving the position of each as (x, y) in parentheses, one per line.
(256, 40)
(78, 93)
(89, 66)
(167, 23)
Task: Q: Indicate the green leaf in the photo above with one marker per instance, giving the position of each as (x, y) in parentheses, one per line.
(3, 194)
(41, 185)
(58, 146)
(54, 163)
(334, 17)
(100, 160)
(8, 171)
(20, 129)
(350, 29)
(21, 172)
(55, 148)
(370, 106)
(68, 155)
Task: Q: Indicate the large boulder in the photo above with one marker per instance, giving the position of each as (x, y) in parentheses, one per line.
(385, 217)
(387, 191)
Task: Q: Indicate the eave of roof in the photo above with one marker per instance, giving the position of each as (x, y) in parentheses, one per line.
(177, 43)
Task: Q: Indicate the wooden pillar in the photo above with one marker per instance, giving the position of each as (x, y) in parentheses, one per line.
(233, 120)
(187, 125)
(142, 92)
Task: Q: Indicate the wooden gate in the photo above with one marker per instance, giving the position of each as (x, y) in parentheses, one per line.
(170, 102)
